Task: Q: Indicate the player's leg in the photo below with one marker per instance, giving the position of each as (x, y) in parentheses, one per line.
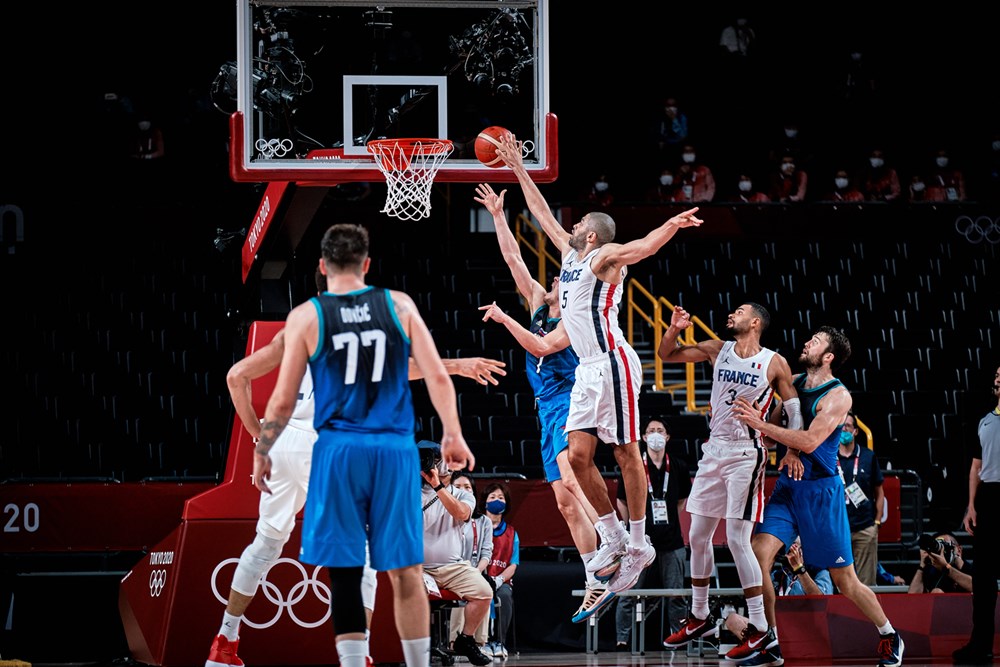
(291, 462)
(700, 622)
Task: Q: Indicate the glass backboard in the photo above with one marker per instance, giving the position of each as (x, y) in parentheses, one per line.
(314, 81)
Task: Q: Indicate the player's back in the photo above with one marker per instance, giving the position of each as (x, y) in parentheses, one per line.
(360, 367)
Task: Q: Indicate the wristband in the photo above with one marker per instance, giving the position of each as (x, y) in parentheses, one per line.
(800, 570)
(438, 487)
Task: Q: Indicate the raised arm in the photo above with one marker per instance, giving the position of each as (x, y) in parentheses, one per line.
(671, 352)
(454, 451)
(532, 290)
(241, 375)
(615, 256)
(539, 346)
(510, 151)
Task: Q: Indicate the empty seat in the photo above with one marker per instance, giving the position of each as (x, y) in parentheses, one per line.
(481, 404)
(513, 427)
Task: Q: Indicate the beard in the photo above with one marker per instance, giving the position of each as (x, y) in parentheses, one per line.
(577, 242)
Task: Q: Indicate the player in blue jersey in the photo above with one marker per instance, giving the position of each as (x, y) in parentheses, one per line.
(357, 341)
(551, 368)
(811, 501)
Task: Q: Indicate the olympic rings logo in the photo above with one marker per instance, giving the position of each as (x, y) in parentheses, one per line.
(983, 228)
(157, 582)
(276, 596)
(271, 148)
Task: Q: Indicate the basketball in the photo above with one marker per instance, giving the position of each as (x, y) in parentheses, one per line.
(486, 146)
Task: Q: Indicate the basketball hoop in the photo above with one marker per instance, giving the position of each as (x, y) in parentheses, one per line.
(409, 166)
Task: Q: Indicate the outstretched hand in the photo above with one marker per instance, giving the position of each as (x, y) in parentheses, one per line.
(490, 199)
(509, 150)
(687, 218)
(493, 312)
(680, 318)
(481, 369)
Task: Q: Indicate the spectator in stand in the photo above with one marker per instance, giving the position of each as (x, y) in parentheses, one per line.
(916, 191)
(506, 558)
(790, 141)
(945, 182)
(697, 183)
(879, 180)
(478, 533)
(746, 193)
(600, 193)
(942, 568)
(844, 189)
(664, 190)
(788, 184)
(671, 130)
(737, 39)
(986, 175)
(859, 470)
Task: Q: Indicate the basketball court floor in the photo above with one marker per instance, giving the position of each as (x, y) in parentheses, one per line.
(655, 658)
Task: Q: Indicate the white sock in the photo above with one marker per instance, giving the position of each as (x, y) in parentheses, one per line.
(886, 629)
(417, 652)
(637, 533)
(755, 610)
(586, 558)
(699, 602)
(230, 626)
(352, 652)
(612, 526)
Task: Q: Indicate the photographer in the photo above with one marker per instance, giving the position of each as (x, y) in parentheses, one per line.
(942, 568)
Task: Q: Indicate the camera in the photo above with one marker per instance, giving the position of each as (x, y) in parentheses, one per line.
(430, 454)
(934, 545)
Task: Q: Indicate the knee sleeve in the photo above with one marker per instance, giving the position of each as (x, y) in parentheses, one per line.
(348, 612)
(702, 551)
(254, 563)
(739, 532)
(369, 584)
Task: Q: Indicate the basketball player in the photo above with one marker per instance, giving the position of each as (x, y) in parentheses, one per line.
(356, 340)
(729, 483)
(551, 368)
(290, 463)
(605, 398)
(813, 507)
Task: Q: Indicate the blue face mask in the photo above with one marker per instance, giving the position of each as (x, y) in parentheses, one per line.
(496, 507)
(846, 438)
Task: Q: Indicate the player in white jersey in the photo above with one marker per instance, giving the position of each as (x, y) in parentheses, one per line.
(605, 398)
(729, 483)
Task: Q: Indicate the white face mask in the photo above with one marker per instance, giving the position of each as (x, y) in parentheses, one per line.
(942, 161)
(840, 182)
(656, 441)
(666, 179)
(601, 186)
(671, 109)
(787, 167)
(791, 133)
(918, 186)
(876, 162)
(688, 157)
(996, 145)
(746, 186)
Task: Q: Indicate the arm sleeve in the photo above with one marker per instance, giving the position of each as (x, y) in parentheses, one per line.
(793, 408)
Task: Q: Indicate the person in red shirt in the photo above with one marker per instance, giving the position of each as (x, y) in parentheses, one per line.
(843, 189)
(506, 557)
(789, 183)
(879, 180)
(944, 181)
(746, 193)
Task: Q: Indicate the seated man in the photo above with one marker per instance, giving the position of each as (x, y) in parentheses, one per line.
(446, 510)
(942, 568)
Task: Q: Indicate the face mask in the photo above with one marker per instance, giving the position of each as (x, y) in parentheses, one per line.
(671, 109)
(601, 186)
(942, 161)
(876, 162)
(688, 157)
(790, 133)
(496, 507)
(996, 145)
(666, 179)
(846, 438)
(656, 441)
(746, 186)
(840, 182)
(787, 167)
(918, 186)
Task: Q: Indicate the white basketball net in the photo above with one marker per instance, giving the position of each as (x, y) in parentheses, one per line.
(409, 166)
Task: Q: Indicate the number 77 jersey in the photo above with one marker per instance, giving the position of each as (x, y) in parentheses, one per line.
(360, 367)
